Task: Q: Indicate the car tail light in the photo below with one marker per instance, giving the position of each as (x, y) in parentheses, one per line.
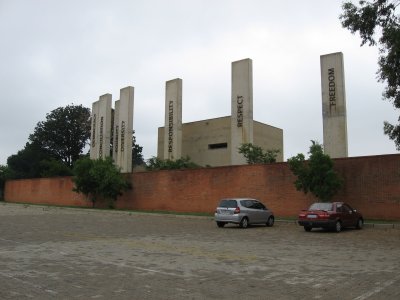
(324, 215)
(237, 210)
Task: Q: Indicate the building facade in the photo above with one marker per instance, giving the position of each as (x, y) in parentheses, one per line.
(208, 142)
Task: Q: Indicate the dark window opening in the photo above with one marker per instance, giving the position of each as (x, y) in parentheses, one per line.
(218, 146)
(228, 203)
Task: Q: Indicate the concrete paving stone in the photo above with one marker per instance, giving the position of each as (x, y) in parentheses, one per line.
(66, 253)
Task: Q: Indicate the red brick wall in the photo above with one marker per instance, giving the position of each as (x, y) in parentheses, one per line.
(372, 185)
(56, 191)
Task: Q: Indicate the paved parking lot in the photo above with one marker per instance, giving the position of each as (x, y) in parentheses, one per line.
(63, 253)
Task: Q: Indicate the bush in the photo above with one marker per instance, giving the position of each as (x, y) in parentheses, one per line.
(156, 163)
(256, 155)
(316, 175)
(99, 179)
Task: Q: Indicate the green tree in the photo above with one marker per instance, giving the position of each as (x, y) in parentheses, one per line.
(256, 155)
(53, 168)
(35, 162)
(99, 180)
(28, 162)
(137, 156)
(4, 175)
(156, 163)
(64, 134)
(315, 175)
(370, 20)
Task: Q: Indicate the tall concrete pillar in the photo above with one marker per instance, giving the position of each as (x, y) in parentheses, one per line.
(334, 105)
(104, 124)
(173, 119)
(94, 134)
(241, 108)
(123, 130)
(116, 136)
(101, 127)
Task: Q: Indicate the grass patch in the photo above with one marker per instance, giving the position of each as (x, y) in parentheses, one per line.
(163, 212)
(117, 209)
(166, 212)
(286, 218)
(47, 205)
(378, 221)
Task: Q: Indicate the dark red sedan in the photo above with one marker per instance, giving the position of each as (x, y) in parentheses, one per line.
(330, 215)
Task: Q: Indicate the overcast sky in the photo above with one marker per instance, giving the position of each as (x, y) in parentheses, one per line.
(54, 53)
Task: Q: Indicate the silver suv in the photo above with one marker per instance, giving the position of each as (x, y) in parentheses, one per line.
(243, 211)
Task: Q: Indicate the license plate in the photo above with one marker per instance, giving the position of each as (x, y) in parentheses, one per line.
(225, 212)
(312, 216)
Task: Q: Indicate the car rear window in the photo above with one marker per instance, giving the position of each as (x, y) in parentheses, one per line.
(228, 203)
(321, 206)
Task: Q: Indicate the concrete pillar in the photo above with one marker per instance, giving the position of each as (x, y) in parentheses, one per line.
(104, 125)
(94, 134)
(123, 130)
(101, 127)
(241, 108)
(173, 119)
(334, 105)
(116, 136)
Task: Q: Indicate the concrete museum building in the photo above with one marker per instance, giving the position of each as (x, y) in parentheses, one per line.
(215, 142)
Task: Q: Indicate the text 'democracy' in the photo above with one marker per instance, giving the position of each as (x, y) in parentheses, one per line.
(239, 101)
(170, 125)
(332, 87)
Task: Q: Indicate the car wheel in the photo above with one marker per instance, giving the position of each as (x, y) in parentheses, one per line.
(270, 221)
(244, 223)
(220, 224)
(338, 226)
(307, 228)
(360, 223)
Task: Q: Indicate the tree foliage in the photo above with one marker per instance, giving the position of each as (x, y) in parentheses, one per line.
(137, 155)
(379, 18)
(156, 163)
(34, 162)
(4, 175)
(64, 134)
(54, 146)
(54, 168)
(315, 175)
(256, 155)
(99, 180)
